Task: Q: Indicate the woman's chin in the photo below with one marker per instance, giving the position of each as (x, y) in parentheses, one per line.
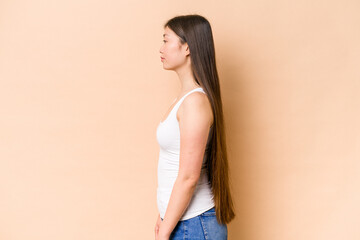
(167, 68)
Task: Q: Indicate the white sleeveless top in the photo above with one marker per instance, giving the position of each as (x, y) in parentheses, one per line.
(168, 137)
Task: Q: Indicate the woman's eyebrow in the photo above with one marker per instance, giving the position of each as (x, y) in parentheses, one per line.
(165, 35)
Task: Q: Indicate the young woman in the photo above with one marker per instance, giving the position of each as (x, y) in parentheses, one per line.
(193, 194)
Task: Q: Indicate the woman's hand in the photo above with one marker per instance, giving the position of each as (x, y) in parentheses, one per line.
(157, 227)
(160, 235)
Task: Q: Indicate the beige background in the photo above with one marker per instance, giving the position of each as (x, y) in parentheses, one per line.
(82, 90)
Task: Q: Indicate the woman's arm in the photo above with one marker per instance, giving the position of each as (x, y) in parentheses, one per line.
(195, 119)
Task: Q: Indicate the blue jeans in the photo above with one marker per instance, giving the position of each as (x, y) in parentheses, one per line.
(202, 227)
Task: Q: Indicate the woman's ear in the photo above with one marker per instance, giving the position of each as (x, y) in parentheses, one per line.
(187, 49)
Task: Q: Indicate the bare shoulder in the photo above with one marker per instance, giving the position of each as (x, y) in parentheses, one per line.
(197, 106)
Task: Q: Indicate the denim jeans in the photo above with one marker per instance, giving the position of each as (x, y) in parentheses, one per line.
(202, 227)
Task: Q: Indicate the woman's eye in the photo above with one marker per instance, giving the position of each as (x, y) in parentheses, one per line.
(164, 41)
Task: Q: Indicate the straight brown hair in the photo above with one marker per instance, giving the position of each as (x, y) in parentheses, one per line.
(195, 30)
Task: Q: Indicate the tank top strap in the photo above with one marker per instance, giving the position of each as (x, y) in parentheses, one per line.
(176, 107)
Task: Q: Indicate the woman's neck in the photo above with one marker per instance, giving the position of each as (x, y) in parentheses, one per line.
(187, 80)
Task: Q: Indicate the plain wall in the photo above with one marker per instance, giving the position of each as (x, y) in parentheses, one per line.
(82, 90)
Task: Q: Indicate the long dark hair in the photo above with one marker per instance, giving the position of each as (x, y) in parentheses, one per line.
(195, 30)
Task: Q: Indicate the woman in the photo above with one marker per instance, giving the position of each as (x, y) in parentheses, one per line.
(193, 194)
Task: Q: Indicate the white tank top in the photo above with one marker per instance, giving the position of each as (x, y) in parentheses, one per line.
(168, 137)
